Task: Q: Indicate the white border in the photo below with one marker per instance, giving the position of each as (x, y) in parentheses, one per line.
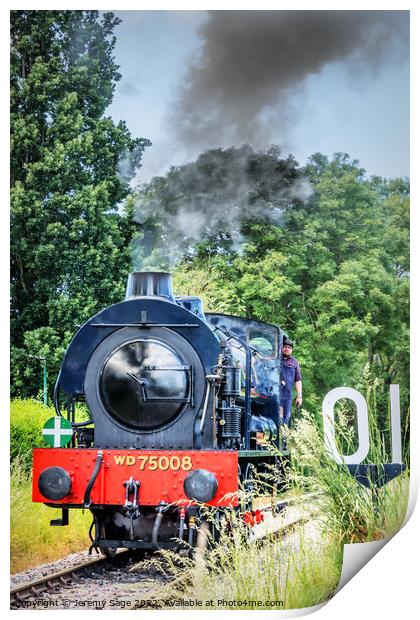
(388, 586)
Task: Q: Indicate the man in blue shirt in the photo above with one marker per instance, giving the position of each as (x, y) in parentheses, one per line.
(290, 375)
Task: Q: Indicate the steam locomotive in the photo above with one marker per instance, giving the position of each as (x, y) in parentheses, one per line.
(183, 407)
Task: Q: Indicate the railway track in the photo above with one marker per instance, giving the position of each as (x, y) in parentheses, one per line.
(55, 583)
(20, 593)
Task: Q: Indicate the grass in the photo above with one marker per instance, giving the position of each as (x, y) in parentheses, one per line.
(299, 570)
(27, 417)
(350, 510)
(32, 540)
(281, 573)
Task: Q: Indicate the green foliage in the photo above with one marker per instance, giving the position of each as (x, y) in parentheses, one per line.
(212, 279)
(70, 167)
(27, 418)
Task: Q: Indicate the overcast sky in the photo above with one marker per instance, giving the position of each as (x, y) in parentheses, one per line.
(308, 81)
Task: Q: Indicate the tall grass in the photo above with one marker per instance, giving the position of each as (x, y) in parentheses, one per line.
(299, 570)
(353, 512)
(240, 572)
(32, 540)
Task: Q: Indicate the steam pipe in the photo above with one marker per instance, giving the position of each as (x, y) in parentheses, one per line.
(158, 521)
(210, 382)
(247, 419)
(56, 399)
(99, 458)
(249, 352)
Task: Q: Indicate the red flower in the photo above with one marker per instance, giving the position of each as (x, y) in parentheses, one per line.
(248, 518)
(258, 516)
(253, 518)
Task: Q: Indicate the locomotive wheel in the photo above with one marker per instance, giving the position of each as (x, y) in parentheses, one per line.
(279, 478)
(109, 552)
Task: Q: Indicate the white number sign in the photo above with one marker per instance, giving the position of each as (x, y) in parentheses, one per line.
(361, 453)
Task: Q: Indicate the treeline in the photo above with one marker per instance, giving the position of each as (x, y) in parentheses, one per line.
(321, 250)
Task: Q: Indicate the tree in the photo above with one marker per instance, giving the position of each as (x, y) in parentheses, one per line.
(69, 232)
(332, 272)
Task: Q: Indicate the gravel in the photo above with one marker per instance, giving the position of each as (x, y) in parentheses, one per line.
(110, 586)
(38, 572)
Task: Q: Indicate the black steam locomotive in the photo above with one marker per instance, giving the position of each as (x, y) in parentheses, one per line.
(183, 405)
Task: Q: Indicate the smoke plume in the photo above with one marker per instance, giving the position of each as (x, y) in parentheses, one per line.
(239, 90)
(253, 62)
(211, 199)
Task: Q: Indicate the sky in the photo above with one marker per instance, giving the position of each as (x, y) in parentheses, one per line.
(194, 80)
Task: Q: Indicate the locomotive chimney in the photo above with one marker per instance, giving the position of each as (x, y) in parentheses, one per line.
(149, 284)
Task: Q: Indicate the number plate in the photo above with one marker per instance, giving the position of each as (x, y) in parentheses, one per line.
(161, 474)
(154, 462)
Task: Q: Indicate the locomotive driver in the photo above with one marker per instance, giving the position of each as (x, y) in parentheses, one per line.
(290, 375)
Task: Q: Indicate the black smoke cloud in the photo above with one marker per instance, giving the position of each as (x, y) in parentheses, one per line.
(211, 199)
(253, 62)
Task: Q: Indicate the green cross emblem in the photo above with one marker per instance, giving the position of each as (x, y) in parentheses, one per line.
(57, 432)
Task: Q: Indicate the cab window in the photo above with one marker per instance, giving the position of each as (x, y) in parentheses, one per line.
(264, 343)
